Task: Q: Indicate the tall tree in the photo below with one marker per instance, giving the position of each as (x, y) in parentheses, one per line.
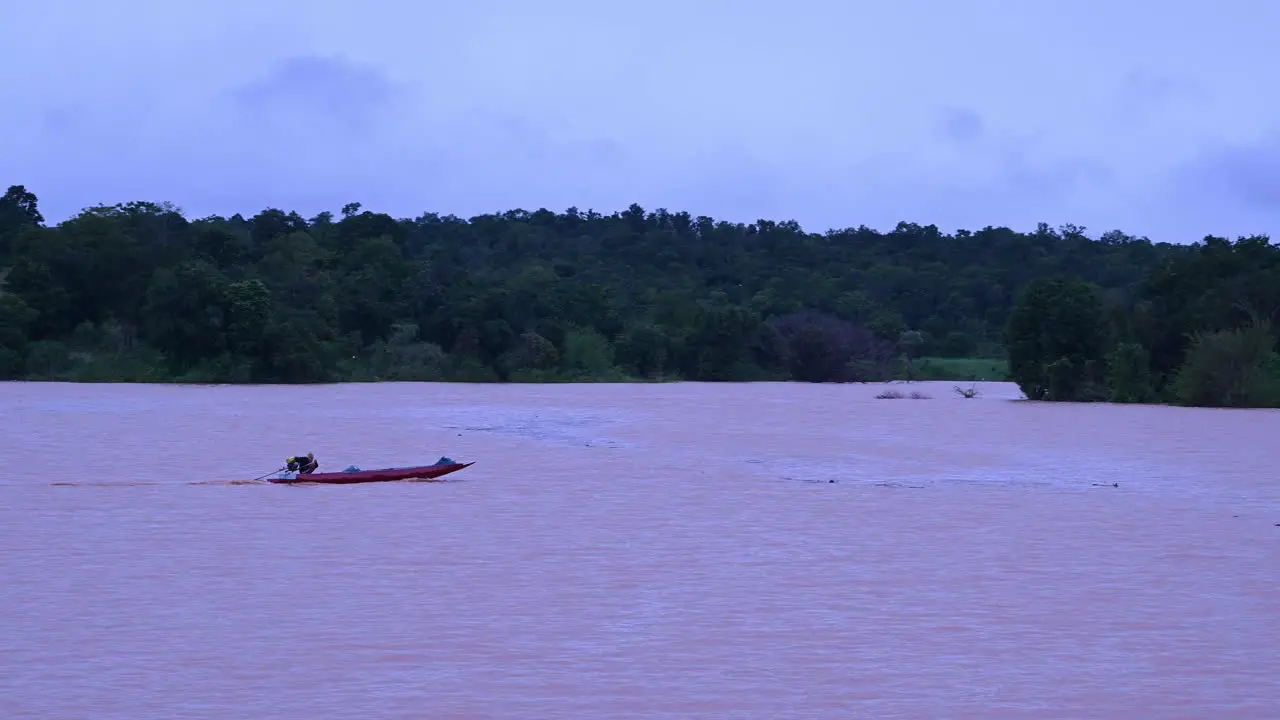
(1057, 339)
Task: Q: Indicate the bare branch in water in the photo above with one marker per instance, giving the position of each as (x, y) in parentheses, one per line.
(896, 395)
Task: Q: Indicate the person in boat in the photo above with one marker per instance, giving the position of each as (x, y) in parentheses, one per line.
(302, 464)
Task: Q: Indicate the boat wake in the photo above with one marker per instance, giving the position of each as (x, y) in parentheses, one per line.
(132, 483)
(124, 483)
(128, 483)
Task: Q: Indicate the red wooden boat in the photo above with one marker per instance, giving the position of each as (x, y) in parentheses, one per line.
(422, 472)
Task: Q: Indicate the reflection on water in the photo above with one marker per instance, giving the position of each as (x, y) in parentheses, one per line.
(679, 551)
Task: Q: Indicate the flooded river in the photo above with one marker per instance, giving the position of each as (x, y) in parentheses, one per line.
(634, 551)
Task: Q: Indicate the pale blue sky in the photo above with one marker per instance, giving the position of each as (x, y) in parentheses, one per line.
(1160, 119)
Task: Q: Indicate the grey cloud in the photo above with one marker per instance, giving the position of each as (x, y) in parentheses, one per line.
(1238, 183)
(961, 126)
(1248, 176)
(1050, 179)
(319, 89)
(1147, 96)
(1151, 87)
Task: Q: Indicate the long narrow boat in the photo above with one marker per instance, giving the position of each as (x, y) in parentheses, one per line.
(351, 477)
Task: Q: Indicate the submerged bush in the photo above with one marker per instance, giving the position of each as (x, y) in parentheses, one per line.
(1230, 368)
(1129, 374)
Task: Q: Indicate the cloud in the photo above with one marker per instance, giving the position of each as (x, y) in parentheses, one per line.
(961, 126)
(327, 90)
(1146, 95)
(1239, 180)
(1247, 176)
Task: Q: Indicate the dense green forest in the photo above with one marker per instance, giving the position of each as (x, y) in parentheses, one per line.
(138, 292)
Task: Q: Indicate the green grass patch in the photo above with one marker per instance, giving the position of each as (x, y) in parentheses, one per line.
(976, 369)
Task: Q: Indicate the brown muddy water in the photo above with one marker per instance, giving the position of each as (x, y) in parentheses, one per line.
(635, 551)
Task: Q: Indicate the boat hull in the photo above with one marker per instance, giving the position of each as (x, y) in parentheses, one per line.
(423, 472)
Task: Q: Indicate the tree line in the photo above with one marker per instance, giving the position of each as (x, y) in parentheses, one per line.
(139, 292)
